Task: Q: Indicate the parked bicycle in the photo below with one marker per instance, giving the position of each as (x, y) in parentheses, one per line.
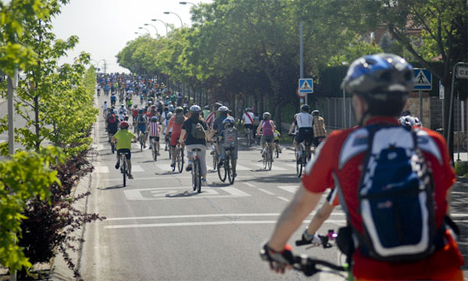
(196, 171)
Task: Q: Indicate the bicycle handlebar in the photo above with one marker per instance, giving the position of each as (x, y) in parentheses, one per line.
(308, 266)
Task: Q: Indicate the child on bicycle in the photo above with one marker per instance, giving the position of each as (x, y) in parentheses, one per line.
(153, 131)
(228, 140)
(124, 139)
(276, 135)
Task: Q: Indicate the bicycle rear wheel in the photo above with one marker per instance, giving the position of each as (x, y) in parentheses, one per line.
(269, 158)
(196, 175)
(277, 151)
(124, 171)
(223, 171)
(232, 169)
(180, 159)
(298, 166)
(215, 160)
(141, 142)
(112, 148)
(155, 150)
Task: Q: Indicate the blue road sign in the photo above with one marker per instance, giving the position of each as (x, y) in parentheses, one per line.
(422, 79)
(306, 86)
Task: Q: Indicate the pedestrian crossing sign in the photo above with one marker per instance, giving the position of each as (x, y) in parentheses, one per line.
(422, 79)
(306, 86)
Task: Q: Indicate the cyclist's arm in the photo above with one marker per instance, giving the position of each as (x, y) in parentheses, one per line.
(292, 217)
(183, 132)
(259, 127)
(291, 128)
(320, 217)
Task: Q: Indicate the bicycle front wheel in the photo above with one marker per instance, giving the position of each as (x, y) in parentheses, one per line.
(223, 171)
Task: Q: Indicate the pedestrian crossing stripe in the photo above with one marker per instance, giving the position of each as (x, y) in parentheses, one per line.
(273, 167)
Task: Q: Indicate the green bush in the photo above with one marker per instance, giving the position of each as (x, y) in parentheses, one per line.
(461, 168)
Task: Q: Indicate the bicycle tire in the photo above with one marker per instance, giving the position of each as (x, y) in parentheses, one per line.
(180, 159)
(155, 151)
(170, 151)
(232, 169)
(298, 166)
(265, 161)
(270, 158)
(141, 142)
(113, 148)
(277, 151)
(198, 174)
(247, 137)
(222, 171)
(124, 171)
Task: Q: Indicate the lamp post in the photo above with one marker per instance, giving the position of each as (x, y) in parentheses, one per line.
(165, 24)
(181, 23)
(185, 3)
(146, 30)
(146, 24)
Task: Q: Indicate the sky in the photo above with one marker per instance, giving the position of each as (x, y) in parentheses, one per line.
(105, 26)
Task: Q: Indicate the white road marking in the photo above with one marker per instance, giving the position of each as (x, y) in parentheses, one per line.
(101, 169)
(273, 168)
(265, 191)
(289, 188)
(195, 216)
(248, 184)
(242, 168)
(137, 169)
(212, 223)
(171, 193)
(284, 199)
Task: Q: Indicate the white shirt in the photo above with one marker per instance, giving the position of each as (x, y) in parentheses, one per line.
(304, 120)
(247, 119)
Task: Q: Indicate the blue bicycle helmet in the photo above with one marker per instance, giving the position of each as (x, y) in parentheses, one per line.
(379, 76)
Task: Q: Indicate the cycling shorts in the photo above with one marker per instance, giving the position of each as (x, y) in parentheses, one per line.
(123, 150)
(267, 139)
(305, 134)
(141, 128)
(156, 138)
(248, 126)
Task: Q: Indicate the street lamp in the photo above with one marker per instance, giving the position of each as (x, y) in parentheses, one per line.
(181, 23)
(165, 24)
(146, 24)
(145, 29)
(185, 3)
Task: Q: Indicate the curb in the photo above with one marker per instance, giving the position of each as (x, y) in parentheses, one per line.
(59, 270)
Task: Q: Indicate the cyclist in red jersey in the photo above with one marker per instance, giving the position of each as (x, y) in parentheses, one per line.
(380, 85)
(175, 127)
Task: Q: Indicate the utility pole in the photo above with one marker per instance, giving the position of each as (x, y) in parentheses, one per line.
(12, 85)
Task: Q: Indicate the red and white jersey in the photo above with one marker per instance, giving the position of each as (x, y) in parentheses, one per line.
(210, 119)
(153, 129)
(248, 118)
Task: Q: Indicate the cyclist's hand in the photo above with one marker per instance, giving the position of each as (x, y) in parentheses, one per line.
(279, 261)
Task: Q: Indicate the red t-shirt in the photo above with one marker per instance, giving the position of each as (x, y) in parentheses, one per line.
(338, 162)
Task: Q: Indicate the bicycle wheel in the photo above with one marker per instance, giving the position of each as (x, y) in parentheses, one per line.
(170, 150)
(198, 174)
(141, 142)
(298, 166)
(232, 169)
(180, 159)
(155, 150)
(215, 160)
(112, 148)
(223, 171)
(265, 160)
(247, 137)
(277, 151)
(269, 158)
(124, 171)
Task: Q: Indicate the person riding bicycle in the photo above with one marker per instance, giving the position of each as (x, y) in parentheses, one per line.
(124, 139)
(276, 135)
(113, 99)
(112, 124)
(218, 127)
(248, 119)
(141, 126)
(320, 130)
(228, 140)
(122, 112)
(153, 131)
(174, 128)
(304, 121)
(267, 126)
(193, 141)
(380, 85)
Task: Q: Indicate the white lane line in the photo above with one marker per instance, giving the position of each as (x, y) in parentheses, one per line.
(242, 168)
(284, 199)
(337, 222)
(195, 216)
(185, 193)
(248, 184)
(289, 188)
(265, 191)
(137, 169)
